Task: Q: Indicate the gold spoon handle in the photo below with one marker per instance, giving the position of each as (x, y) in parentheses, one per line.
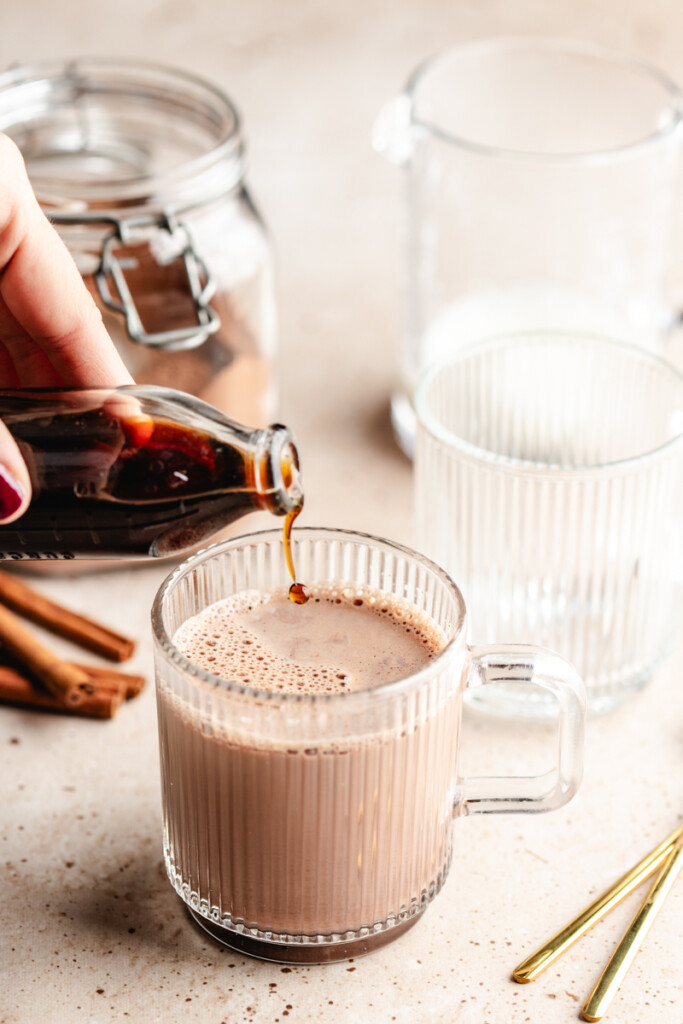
(611, 978)
(532, 966)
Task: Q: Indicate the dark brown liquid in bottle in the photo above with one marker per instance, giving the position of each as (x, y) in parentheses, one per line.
(117, 485)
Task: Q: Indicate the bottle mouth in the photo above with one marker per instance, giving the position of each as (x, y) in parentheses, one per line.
(290, 474)
(278, 471)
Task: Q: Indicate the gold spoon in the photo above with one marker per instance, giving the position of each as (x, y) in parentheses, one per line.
(622, 958)
(532, 966)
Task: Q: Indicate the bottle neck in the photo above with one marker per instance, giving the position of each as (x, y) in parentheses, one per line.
(277, 474)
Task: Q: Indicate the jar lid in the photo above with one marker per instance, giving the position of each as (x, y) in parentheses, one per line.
(99, 135)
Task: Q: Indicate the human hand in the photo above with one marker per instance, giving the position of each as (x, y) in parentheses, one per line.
(51, 331)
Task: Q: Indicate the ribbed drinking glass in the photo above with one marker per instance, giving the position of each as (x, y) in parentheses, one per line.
(548, 481)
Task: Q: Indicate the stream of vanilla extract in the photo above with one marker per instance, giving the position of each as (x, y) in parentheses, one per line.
(298, 592)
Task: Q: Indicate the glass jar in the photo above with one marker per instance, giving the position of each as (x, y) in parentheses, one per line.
(141, 169)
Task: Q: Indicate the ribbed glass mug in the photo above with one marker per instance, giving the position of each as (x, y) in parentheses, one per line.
(311, 828)
(548, 481)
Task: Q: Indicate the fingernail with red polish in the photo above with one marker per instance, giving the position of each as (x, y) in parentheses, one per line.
(11, 493)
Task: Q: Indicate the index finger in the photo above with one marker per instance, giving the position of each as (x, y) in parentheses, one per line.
(43, 290)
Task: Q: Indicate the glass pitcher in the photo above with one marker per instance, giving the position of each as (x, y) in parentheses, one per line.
(540, 193)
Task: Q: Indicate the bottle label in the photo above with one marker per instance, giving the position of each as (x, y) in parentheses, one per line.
(34, 556)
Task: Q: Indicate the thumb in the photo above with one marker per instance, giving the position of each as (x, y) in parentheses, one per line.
(15, 483)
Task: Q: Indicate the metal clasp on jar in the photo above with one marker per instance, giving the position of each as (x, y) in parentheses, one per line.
(162, 242)
(174, 245)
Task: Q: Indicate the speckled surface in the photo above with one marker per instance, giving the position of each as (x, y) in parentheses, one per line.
(90, 929)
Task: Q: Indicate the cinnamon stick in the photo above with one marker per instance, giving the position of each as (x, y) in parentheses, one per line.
(62, 621)
(68, 683)
(17, 690)
(128, 685)
(100, 677)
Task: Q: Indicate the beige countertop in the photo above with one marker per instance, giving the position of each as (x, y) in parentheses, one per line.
(90, 929)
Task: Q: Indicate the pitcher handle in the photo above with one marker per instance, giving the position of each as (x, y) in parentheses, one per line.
(393, 132)
(523, 663)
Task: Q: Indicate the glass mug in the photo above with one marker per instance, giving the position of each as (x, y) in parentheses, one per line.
(313, 828)
(540, 188)
(549, 480)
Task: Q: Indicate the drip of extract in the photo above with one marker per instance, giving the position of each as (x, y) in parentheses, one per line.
(298, 593)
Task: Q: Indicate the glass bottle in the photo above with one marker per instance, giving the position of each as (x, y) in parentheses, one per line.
(141, 168)
(138, 471)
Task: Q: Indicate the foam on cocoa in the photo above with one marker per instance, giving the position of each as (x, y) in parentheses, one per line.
(345, 638)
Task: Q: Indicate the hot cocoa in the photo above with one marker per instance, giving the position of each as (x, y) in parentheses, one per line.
(307, 838)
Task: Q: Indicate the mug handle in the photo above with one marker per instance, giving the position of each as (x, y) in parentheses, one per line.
(524, 663)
